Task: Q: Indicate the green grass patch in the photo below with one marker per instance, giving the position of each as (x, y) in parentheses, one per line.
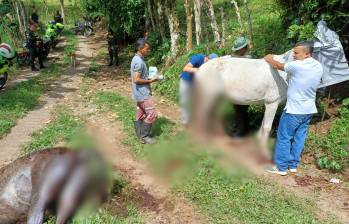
(15, 102)
(331, 150)
(64, 128)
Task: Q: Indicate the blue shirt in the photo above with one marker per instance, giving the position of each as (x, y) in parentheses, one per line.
(140, 92)
(304, 79)
(196, 60)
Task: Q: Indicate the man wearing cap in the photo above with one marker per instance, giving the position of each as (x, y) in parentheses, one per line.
(185, 84)
(240, 49)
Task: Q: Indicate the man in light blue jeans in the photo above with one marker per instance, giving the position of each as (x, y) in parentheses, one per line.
(304, 78)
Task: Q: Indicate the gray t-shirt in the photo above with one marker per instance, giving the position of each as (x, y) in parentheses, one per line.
(140, 92)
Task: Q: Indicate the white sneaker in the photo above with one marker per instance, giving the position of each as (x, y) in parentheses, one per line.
(293, 170)
(275, 170)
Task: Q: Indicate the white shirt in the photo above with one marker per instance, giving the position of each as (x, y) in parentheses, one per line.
(304, 79)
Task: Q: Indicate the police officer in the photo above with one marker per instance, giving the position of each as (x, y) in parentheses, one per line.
(112, 47)
(34, 48)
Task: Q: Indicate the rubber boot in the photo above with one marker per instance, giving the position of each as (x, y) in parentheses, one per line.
(145, 134)
(138, 128)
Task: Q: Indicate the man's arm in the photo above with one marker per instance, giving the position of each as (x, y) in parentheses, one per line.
(138, 79)
(190, 68)
(277, 65)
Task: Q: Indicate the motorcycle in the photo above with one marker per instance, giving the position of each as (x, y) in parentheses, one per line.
(83, 28)
(4, 66)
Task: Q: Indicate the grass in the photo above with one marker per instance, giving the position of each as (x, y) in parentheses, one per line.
(224, 196)
(63, 128)
(16, 101)
(331, 150)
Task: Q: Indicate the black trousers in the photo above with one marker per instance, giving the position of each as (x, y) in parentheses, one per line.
(35, 53)
(241, 119)
(113, 55)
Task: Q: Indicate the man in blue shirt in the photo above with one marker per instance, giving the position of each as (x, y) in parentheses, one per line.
(185, 84)
(304, 78)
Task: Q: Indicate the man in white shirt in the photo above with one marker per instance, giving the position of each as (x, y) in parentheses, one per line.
(304, 78)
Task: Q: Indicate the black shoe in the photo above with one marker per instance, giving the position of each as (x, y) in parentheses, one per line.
(110, 64)
(34, 69)
(42, 67)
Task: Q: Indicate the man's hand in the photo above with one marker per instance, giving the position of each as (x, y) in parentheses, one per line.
(275, 64)
(154, 80)
(269, 58)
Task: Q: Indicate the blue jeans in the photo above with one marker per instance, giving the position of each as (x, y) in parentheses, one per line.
(291, 135)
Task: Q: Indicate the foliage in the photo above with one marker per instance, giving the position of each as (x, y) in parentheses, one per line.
(301, 32)
(126, 16)
(334, 12)
(332, 149)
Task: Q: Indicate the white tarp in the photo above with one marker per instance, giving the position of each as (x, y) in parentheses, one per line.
(328, 50)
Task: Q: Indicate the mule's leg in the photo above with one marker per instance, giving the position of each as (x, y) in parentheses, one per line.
(263, 135)
(72, 194)
(47, 187)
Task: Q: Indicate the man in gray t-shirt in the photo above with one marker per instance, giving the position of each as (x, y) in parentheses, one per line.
(141, 93)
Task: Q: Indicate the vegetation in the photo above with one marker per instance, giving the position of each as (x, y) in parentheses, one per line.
(19, 99)
(331, 150)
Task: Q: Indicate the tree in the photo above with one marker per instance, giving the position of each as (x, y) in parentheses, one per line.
(197, 13)
(223, 27)
(189, 15)
(150, 15)
(249, 19)
(214, 25)
(237, 10)
(62, 10)
(173, 22)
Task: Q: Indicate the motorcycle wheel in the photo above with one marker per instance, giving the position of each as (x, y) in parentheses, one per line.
(88, 31)
(23, 60)
(3, 79)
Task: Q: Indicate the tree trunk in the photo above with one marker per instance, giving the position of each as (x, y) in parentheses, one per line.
(189, 14)
(46, 8)
(223, 28)
(23, 15)
(250, 31)
(150, 13)
(62, 10)
(159, 18)
(237, 10)
(197, 12)
(173, 22)
(214, 25)
(19, 17)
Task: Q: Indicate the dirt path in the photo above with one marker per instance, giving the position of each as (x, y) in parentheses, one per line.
(40, 116)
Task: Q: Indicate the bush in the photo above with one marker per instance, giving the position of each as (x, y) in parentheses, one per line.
(334, 12)
(332, 150)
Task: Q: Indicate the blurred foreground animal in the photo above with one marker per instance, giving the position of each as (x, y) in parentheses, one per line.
(244, 82)
(57, 180)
